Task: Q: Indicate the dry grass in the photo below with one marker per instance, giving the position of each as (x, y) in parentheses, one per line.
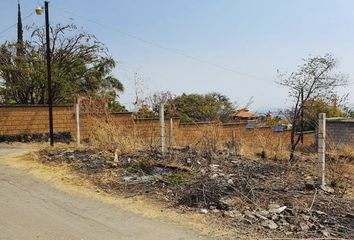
(257, 143)
(209, 140)
(264, 144)
(107, 136)
(340, 166)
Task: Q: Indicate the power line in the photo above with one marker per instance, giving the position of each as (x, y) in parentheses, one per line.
(196, 59)
(14, 25)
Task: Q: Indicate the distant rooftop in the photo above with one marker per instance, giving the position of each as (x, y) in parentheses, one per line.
(244, 113)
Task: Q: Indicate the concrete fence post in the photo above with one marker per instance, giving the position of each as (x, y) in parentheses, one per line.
(171, 133)
(321, 138)
(77, 120)
(162, 129)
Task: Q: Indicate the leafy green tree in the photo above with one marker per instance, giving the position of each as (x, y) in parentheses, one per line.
(81, 65)
(188, 107)
(313, 108)
(145, 112)
(200, 107)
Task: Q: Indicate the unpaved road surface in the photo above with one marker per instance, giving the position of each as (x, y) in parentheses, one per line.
(31, 209)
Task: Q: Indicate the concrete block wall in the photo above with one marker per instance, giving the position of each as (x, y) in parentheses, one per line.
(340, 131)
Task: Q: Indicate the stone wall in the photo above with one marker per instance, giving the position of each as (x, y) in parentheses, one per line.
(22, 119)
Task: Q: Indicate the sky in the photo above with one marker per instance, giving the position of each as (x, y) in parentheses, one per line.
(234, 47)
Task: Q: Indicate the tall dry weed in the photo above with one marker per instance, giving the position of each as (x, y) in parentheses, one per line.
(106, 135)
(209, 141)
(338, 158)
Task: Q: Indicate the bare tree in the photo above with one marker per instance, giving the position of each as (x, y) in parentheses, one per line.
(315, 80)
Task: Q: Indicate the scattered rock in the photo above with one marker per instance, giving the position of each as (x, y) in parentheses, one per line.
(283, 222)
(215, 210)
(204, 211)
(257, 214)
(233, 214)
(275, 217)
(304, 227)
(321, 213)
(249, 215)
(269, 224)
(247, 221)
(278, 210)
(214, 176)
(137, 179)
(264, 213)
(230, 181)
(325, 233)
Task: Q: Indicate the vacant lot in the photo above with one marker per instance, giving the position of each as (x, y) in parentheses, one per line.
(249, 197)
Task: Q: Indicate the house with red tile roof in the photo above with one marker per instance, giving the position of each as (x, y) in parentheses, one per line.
(244, 115)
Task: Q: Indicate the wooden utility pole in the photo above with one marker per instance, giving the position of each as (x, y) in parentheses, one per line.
(49, 74)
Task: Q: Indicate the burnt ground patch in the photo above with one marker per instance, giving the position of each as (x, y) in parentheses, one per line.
(267, 197)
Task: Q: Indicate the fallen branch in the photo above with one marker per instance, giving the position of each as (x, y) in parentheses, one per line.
(313, 199)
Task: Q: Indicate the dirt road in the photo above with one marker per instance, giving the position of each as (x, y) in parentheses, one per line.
(31, 209)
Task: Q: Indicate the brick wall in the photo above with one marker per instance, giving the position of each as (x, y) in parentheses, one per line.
(340, 131)
(16, 120)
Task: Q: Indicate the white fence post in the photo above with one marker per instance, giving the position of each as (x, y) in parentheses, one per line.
(171, 133)
(162, 129)
(321, 137)
(77, 119)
